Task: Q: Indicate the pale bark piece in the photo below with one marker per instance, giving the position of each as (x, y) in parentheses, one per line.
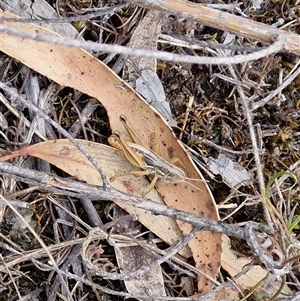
(232, 172)
(151, 283)
(78, 69)
(28, 9)
(151, 88)
(144, 37)
(3, 122)
(131, 258)
(140, 73)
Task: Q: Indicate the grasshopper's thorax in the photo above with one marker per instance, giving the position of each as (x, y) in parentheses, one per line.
(169, 175)
(159, 166)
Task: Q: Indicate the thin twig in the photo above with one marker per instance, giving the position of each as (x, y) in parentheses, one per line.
(79, 190)
(262, 102)
(102, 12)
(17, 114)
(256, 152)
(277, 46)
(225, 21)
(14, 94)
(270, 264)
(41, 242)
(99, 234)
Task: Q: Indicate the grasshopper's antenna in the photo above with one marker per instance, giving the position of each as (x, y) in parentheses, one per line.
(185, 181)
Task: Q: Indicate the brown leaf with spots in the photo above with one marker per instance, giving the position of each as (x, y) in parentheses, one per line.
(78, 69)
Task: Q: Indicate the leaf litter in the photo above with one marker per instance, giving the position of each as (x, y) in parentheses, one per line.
(215, 116)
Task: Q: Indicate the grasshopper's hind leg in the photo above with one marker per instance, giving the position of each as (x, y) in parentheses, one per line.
(151, 186)
(137, 173)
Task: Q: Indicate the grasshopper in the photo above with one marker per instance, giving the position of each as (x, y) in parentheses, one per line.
(149, 161)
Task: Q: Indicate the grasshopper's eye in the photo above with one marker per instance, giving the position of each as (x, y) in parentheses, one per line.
(159, 173)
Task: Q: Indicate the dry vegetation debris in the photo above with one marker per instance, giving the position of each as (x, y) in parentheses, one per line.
(242, 119)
